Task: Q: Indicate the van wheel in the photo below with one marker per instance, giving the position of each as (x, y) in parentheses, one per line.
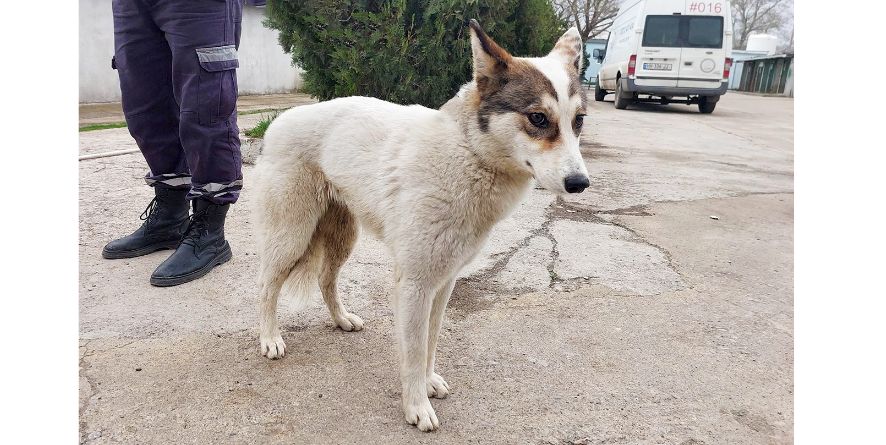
(706, 106)
(620, 102)
(599, 94)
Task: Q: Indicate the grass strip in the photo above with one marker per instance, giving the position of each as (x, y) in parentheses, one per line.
(109, 125)
(105, 126)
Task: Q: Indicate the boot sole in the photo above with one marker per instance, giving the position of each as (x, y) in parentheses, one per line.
(223, 257)
(116, 255)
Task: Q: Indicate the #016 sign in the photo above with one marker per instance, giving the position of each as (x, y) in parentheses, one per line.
(710, 7)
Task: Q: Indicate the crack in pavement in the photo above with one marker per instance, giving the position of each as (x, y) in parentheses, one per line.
(93, 391)
(581, 213)
(468, 290)
(635, 210)
(750, 168)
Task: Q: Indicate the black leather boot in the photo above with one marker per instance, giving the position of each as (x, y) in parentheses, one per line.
(202, 248)
(165, 221)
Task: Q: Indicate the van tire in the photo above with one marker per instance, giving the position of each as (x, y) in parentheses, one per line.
(706, 106)
(620, 102)
(599, 94)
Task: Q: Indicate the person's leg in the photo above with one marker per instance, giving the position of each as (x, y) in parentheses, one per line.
(203, 36)
(144, 65)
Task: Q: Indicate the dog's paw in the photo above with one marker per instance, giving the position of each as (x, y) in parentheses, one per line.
(273, 347)
(422, 415)
(349, 322)
(437, 387)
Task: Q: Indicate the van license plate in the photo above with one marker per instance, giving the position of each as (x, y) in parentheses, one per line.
(657, 66)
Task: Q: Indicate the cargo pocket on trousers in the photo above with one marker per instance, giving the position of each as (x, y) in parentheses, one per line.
(217, 93)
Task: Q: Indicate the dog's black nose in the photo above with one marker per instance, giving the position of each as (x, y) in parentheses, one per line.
(576, 183)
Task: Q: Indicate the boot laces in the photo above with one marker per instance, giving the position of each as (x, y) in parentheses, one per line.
(196, 228)
(149, 212)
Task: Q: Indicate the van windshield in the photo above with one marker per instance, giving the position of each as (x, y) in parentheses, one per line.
(675, 31)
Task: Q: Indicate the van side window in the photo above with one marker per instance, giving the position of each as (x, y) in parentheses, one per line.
(674, 31)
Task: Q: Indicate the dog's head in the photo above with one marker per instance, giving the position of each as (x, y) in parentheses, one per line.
(534, 107)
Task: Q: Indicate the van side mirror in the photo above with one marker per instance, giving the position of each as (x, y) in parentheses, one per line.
(599, 54)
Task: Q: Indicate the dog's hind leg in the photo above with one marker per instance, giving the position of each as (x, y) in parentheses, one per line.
(437, 387)
(271, 278)
(286, 224)
(337, 231)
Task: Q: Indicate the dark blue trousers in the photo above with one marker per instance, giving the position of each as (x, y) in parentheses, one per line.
(177, 63)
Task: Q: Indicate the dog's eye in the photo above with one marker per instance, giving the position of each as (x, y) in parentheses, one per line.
(538, 119)
(579, 120)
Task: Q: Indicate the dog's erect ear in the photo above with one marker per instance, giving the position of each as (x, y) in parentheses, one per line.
(490, 60)
(569, 48)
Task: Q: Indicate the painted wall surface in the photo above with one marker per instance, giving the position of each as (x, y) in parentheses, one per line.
(264, 67)
(98, 82)
(735, 74)
(593, 65)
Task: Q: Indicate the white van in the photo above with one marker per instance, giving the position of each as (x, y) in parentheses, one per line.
(667, 51)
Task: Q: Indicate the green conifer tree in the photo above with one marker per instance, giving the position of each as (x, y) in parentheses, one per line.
(403, 51)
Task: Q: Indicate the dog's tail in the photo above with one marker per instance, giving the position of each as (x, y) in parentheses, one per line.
(302, 284)
(289, 242)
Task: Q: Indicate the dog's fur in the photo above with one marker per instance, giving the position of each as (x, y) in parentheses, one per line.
(429, 183)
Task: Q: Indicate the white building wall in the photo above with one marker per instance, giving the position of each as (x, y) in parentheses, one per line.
(98, 82)
(264, 67)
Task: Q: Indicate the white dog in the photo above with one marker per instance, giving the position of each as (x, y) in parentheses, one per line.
(429, 183)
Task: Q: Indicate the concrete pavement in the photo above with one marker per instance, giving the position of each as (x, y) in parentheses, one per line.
(624, 315)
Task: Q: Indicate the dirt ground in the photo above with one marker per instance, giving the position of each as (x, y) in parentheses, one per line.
(623, 315)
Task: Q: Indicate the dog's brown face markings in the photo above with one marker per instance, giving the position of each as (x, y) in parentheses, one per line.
(519, 88)
(510, 85)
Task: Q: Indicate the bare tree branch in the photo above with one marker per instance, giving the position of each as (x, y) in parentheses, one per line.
(591, 17)
(753, 16)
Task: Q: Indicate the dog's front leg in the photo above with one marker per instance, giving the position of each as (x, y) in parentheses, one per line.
(413, 310)
(437, 386)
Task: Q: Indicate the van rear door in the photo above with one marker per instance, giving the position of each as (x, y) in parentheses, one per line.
(704, 44)
(658, 58)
